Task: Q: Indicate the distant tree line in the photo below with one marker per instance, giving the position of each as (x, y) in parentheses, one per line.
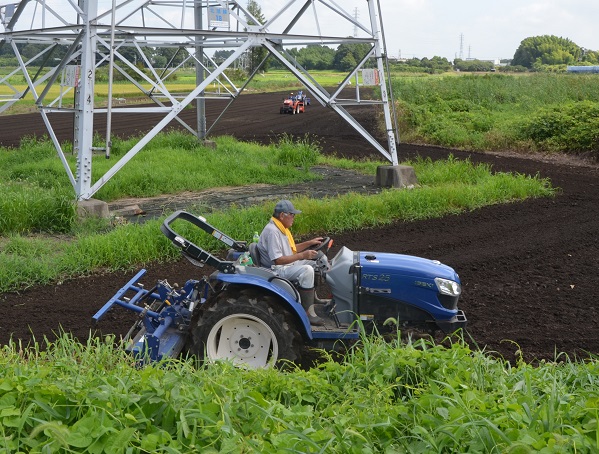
(160, 57)
(536, 53)
(314, 57)
(433, 65)
(311, 57)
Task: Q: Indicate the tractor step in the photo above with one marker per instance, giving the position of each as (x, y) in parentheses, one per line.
(330, 331)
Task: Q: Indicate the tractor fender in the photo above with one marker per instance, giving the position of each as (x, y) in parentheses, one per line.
(279, 287)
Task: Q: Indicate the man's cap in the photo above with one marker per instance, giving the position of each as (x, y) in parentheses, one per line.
(285, 206)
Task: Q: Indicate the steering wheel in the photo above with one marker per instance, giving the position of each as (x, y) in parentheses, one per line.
(323, 244)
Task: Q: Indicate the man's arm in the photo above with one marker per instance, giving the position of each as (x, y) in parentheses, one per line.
(308, 254)
(306, 244)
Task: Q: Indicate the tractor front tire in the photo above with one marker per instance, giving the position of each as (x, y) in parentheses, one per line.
(248, 327)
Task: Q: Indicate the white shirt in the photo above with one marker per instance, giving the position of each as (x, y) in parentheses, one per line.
(273, 244)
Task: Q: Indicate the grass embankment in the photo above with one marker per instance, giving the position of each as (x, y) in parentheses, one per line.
(535, 112)
(382, 397)
(35, 196)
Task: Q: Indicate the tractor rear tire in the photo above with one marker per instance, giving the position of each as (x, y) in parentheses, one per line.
(248, 327)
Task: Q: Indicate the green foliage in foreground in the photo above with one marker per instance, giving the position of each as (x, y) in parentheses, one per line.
(382, 397)
(539, 112)
(447, 187)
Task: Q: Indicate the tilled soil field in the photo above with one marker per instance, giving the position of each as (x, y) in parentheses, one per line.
(528, 269)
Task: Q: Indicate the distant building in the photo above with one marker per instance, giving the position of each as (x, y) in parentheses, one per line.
(583, 69)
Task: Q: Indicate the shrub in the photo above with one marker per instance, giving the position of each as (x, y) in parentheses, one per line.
(29, 208)
(302, 152)
(568, 127)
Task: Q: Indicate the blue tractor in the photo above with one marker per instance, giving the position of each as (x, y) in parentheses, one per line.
(247, 314)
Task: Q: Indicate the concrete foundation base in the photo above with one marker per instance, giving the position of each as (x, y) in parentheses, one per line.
(396, 176)
(209, 144)
(92, 208)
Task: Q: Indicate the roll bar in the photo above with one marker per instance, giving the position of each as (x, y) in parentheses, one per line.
(195, 252)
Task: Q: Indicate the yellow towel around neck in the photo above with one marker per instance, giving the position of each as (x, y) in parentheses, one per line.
(287, 233)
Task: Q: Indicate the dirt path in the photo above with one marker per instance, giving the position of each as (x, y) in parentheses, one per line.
(529, 269)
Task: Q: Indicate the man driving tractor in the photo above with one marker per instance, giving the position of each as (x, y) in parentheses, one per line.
(292, 261)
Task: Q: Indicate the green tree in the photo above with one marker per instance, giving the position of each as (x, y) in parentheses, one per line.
(221, 55)
(159, 61)
(130, 54)
(414, 62)
(436, 64)
(546, 50)
(315, 56)
(173, 55)
(256, 54)
(590, 56)
(473, 65)
(349, 55)
(30, 50)
(426, 65)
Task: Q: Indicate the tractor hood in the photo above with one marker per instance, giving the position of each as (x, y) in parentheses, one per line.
(377, 264)
(385, 285)
(412, 282)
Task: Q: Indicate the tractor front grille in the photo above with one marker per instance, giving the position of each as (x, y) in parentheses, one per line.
(448, 302)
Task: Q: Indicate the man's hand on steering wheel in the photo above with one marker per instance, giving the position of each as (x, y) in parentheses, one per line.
(323, 244)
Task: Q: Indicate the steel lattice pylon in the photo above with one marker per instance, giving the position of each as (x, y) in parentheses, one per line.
(87, 38)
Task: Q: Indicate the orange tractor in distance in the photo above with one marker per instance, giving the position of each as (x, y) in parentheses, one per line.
(295, 104)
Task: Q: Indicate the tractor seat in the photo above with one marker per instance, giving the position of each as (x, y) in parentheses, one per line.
(255, 254)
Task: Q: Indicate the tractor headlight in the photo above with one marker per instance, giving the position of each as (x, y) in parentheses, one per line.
(448, 287)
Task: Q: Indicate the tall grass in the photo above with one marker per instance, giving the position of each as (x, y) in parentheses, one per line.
(29, 208)
(447, 188)
(66, 396)
(192, 166)
(491, 111)
(36, 195)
